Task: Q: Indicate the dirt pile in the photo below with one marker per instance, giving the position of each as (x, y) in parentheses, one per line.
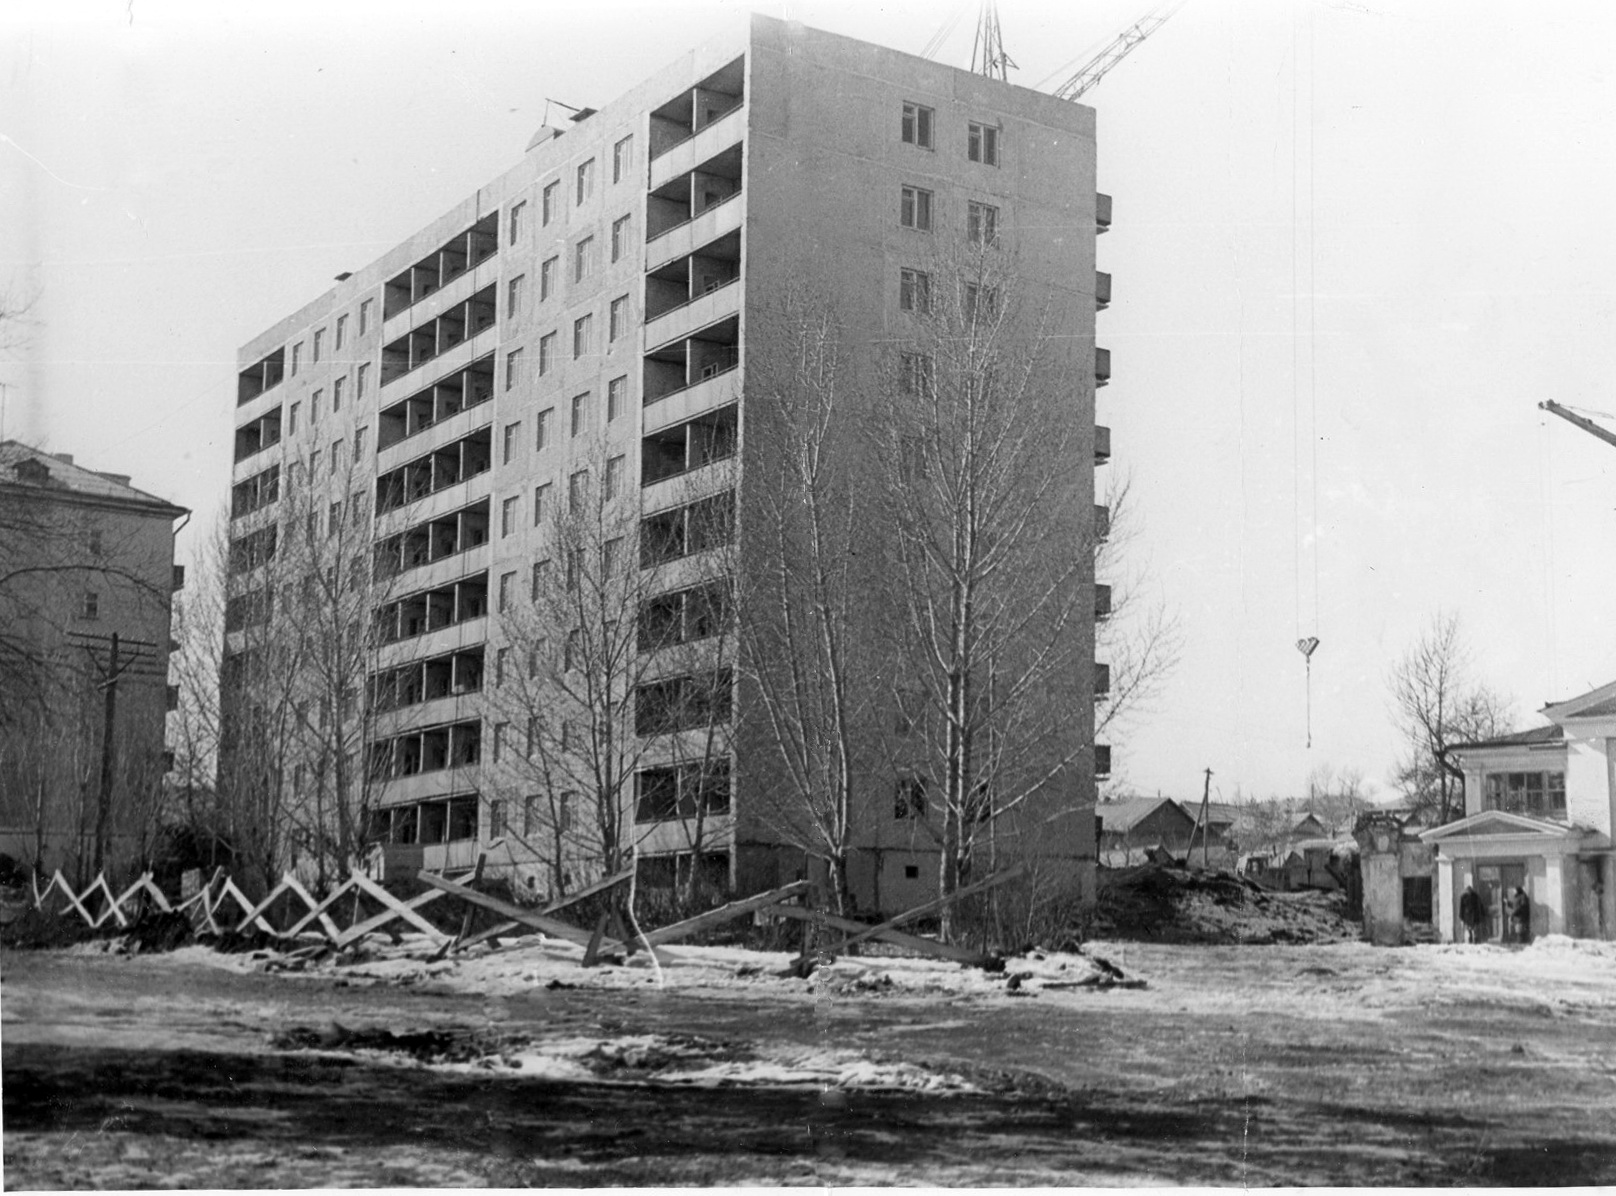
(1156, 903)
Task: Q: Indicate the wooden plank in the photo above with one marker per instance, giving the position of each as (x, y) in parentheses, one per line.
(506, 928)
(315, 910)
(319, 912)
(364, 884)
(255, 913)
(60, 882)
(920, 911)
(471, 910)
(360, 929)
(896, 937)
(157, 894)
(726, 913)
(515, 913)
(112, 910)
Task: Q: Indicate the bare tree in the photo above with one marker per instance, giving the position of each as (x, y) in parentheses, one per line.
(1335, 796)
(976, 437)
(1438, 704)
(808, 674)
(609, 681)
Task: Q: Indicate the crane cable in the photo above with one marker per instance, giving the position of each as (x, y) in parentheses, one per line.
(1306, 644)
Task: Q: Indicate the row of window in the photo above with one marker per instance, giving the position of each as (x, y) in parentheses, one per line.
(338, 395)
(583, 343)
(917, 208)
(583, 189)
(1524, 792)
(585, 262)
(918, 127)
(339, 330)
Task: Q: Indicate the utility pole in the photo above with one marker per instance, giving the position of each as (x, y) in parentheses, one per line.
(1206, 815)
(1587, 425)
(118, 665)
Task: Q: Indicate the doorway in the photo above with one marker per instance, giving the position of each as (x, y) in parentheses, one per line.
(1494, 882)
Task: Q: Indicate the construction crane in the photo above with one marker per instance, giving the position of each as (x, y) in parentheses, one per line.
(1096, 68)
(1587, 425)
(987, 54)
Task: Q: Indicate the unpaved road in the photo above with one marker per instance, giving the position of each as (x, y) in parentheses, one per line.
(1239, 1066)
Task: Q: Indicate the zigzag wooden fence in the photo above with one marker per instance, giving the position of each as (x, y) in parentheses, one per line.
(360, 907)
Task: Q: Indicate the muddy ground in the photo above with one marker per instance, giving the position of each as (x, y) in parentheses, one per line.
(1334, 1064)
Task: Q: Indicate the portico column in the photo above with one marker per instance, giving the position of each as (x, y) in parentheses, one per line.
(1553, 899)
(1607, 899)
(1444, 897)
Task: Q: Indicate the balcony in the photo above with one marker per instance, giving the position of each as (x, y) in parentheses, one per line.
(257, 435)
(432, 339)
(1102, 601)
(444, 640)
(1102, 367)
(684, 280)
(430, 610)
(696, 110)
(1102, 444)
(722, 137)
(451, 394)
(723, 298)
(699, 357)
(449, 261)
(681, 240)
(1102, 761)
(1102, 681)
(442, 538)
(1102, 523)
(705, 396)
(674, 451)
(1102, 290)
(264, 376)
(1102, 213)
(444, 466)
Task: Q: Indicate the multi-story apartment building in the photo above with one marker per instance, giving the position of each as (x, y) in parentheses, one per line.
(587, 332)
(86, 577)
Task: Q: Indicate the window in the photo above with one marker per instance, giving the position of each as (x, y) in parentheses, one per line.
(564, 808)
(546, 353)
(982, 143)
(575, 567)
(617, 321)
(333, 523)
(507, 517)
(616, 397)
(513, 296)
(509, 442)
(614, 476)
(917, 122)
(915, 209)
(291, 419)
(541, 499)
(914, 290)
(547, 277)
(499, 740)
(91, 608)
(513, 368)
(611, 555)
(583, 336)
(572, 654)
(336, 456)
(619, 238)
(541, 571)
(518, 215)
(577, 490)
(359, 444)
(319, 343)
(1541, 793)
(314, 465)
(297, 357)
(586, 181)
(981, 223)
(314, 407)
(580, 413)
(909, 799)
(342, 332)
(507, 587)
(542, 421)
(981, 300)
(583, 259)
(337, 387)
(363, 386)
(547, 202)
(622, 158)
(915, 373)
(366, 306)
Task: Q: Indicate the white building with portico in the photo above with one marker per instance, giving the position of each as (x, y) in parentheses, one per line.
(1539, 809)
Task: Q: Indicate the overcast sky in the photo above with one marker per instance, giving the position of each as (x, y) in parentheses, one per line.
(1355, 243)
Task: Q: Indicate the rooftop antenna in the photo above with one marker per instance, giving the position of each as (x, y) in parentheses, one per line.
(987, 54)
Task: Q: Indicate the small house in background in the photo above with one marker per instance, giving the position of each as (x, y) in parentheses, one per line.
(1129, 828)
(1539, 808)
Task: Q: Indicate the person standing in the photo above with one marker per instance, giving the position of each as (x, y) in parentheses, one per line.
(1470, 912)
(1520, 916)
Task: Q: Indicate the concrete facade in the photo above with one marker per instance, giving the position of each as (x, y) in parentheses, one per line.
(86, 557)
(607, 298)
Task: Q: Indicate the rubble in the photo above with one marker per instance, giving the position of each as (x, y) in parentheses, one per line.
(1161, 903)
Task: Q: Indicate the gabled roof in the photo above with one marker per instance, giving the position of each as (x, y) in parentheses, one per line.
(1596, 703)
(25, 466)
(1500, 822)
(1124, 815)
(1530, 738)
